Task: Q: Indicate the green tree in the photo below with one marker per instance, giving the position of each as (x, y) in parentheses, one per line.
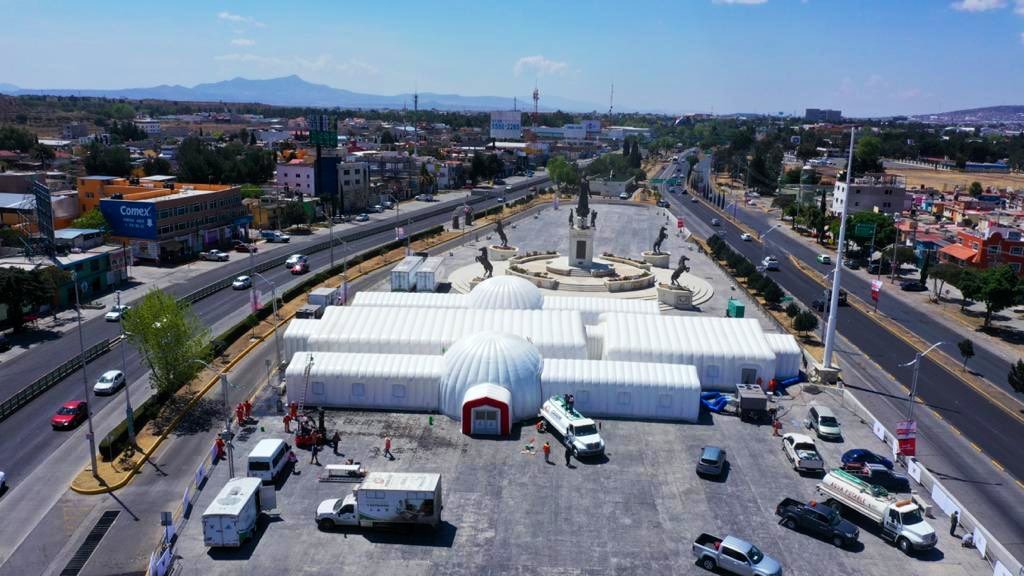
(626, 147)
(635, 159)
(171, 337)
(969, 282)
(93, 219)
(772, 294)
(1016, 377)
(805, 322)
(103, 160)
(966, 347)
(156, 166)
(21, 289)
(1000, 289)
(941, 274)
(792, 309)
(121, 111)
(975, 189)
(867, 155)
(251, 191)
(426, 179)
(926, 266)
(18, 139)
(754, 280)
(44, 154)
(562, 172)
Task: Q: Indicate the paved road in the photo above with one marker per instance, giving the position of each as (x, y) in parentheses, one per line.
(26, 438)
(980, 421)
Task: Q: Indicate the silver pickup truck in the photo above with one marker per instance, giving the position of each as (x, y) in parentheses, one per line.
(734, 556)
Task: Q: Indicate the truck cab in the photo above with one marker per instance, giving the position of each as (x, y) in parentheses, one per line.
(577, 431)
(337, 512)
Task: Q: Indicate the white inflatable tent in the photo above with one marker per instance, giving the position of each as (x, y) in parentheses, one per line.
(725, 351)
(632, 390)
(296, 335)
(788, 355)
(432, 331)
(366, 381)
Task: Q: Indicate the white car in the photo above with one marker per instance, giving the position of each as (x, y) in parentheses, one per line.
(746, 237)
(770, 263)
(624, 196)
(241, 283)
(111, 381)
(117, 312)
(3, 481)
(364, 217)
(296, 259)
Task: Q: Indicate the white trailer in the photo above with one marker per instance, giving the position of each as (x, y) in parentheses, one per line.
(323, 297)
(901, 520)
(403, 275)
(231, 518)
(386, 498)
(430, 274)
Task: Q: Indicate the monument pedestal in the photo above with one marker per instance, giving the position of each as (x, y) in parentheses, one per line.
(675, 296)
(497, 253)
(657, 260)
(581, 247)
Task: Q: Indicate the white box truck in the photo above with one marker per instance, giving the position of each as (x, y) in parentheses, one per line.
(323, 297)
(386, 499)
(231, 518)
(403, 275)
(430, 274)
(901, 520)
(567, 422)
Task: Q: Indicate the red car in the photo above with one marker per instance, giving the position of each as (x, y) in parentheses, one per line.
(70, 415)
(246, 248)
(300, 268)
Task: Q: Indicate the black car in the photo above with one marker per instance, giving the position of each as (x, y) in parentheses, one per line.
(913, 286)
(817, 519)
(851, 264)
(876, 268)
(663, 203)
(879, 475)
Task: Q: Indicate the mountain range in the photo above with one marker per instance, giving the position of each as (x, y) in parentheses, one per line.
(988, 114)
(294, 91)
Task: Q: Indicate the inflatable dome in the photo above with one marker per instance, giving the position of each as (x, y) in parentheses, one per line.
(503, 361)
(506, 293)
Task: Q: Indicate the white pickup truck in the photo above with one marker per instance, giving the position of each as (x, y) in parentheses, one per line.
(385, 498)
(214, 256)
(802, 452)
(568, 423)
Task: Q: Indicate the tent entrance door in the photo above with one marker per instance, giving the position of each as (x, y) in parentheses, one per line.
(485, 421)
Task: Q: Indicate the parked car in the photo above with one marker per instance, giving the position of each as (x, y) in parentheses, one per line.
(378, 208)
(69, 415)
(802, 452)
(746, 237)
(117, 312)
(770, 263)
(876, 268)
(388, 205)
(214, 256)
(624, 196)
(851, 264)
(711, 461)
(662, 203)
(245, 248)
(860, 455)
(241, 283)
(913, 286)
(734, 556)
(693, 198)
(109, 382)
(823, 422)
(295, 259)
(823, 259)
(500, 198)
(716, 222)
(5, 344)
(499, 182)
(3, 482)
(817, 519)
(879, 475)
(363, 217)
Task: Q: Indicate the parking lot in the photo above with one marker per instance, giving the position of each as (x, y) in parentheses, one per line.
(508, 512)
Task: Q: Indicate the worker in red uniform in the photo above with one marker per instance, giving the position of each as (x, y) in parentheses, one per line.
(219, 444)
(248, 409)
(547, 452)
(240, 413)
(288, 423)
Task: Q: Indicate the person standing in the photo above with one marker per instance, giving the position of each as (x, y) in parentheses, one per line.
(313, 450)
(954, 521)
(335, 440)
(547, 452)
(568, 456)
(387, 448)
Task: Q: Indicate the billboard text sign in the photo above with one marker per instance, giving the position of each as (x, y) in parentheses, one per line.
(130, 219)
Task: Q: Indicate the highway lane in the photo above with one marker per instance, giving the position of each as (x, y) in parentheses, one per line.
(26, 438)
(861, 343)
(975, 416)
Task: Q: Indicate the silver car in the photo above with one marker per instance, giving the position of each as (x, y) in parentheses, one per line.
(711, 461)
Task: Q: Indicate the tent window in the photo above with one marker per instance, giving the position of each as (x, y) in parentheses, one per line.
(398, 390)
(318, 388)
(582, 397)
(623, 398)
(358, 390)
(664, 401)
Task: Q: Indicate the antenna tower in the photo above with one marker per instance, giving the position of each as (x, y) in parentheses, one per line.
(611, 100)
(536, 101)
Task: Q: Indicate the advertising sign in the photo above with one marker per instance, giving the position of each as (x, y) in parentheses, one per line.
(44, 214)
(130, 219)
(906, 434)
(680, 224)
(507, 124)
(876, 289)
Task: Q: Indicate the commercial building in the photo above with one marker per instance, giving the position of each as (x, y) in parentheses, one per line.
(168, 223)
(353, 185)
(148, 125)
(886, 193)
(823, 115)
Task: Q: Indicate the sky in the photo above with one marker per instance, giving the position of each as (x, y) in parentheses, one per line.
(864, 57)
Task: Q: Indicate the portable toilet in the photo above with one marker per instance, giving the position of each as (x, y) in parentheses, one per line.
(735, 309)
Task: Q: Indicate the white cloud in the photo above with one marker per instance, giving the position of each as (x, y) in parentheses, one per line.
(744, 2)
(243, 42)
(540, 65)
(1019, 7)
(253, 58)
(355, 67)
(239, 19)
(978, 5)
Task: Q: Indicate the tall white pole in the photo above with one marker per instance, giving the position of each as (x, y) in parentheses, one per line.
(85, 381)
(833, 301)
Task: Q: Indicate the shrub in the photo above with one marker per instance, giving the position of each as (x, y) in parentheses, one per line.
(805, 321)
(754, 280)
(792, 310)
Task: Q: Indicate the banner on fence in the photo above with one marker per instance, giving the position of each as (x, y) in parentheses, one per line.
(942, 500)
(980, 542)
(1000, 570)
(879, 430)
(200, 474)
(914, 470)
(185, 503)
(906, 433)
(213, 454)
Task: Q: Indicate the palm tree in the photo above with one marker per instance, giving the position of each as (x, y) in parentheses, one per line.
(427, 180)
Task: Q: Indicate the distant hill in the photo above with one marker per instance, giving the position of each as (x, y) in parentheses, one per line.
(988, 114)
(294, 91)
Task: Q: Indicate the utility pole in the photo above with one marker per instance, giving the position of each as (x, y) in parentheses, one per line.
(833, 301)
(917, 368)
(85, 381)
(227, 435)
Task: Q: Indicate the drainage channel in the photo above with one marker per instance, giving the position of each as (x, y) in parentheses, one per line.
(84, 552)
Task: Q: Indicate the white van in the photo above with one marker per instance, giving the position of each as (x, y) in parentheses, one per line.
(267, 459)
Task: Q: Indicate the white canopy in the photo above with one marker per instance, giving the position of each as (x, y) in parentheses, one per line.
(503, 360)
(378, 381)
(296, 336)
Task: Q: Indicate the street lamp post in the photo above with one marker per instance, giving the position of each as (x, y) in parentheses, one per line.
(129, 413)
(277, 317)
(226, 434)
(85, 380)
(764, 245)
(917, 368)
(833, 301)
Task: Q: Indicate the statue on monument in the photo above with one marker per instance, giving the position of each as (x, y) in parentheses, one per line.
(485, 262)
(662, 235)
(593, 218)
(681, 267)
(583, 203)
(570, 217)
(500, 229)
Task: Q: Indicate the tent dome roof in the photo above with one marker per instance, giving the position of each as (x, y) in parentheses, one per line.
(495, 358)
(506, 293)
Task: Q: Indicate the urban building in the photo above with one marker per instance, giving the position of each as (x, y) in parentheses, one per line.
(74, 131)
(990, 244)
(353, 184)
(148, 125)
(168, 223)
(298, 176)
(823, 115)
(886, 193)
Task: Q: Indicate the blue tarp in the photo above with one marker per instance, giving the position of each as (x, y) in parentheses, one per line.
(713, 401)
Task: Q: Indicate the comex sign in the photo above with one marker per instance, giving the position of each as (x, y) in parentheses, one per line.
(132, 219)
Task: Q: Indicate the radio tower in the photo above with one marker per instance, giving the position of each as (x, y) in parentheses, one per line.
(611, 100)
(536, 101)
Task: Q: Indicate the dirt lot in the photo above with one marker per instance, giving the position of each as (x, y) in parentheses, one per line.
(941, 180)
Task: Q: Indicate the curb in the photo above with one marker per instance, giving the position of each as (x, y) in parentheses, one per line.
(942, 359)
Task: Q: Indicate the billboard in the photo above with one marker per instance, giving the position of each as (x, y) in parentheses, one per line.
(507, 125)
(44, 215)
(574, 131)
(130, 219)
(592, 126)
